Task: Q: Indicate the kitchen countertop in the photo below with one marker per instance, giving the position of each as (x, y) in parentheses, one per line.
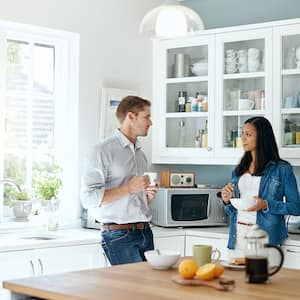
(79, 236)
(33, 240)
(139, 281)
(211, 232)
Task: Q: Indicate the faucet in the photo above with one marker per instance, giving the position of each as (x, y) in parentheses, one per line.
(11, 182)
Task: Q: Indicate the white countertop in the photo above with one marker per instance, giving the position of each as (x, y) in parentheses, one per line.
(79, 236)
(34, 240)
(211, 232)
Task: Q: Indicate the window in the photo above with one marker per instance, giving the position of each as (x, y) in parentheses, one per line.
(38, 109)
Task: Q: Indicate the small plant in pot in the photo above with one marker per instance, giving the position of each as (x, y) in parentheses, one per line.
(22, 205)
(47, 188)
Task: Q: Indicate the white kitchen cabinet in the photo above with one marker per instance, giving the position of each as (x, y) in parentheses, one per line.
(218, 243)
(287, 90)
(291, 256)
(175, 243)
(21, 264)
(263, 79)
(177, 125)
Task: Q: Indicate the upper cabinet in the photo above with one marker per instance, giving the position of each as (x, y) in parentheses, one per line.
(287, 90)
(205, 87)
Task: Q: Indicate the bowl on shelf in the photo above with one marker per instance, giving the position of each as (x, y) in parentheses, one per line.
(242, 203)
(199, 68)
(162, 259)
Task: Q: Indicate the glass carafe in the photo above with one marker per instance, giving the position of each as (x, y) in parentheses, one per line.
(257, 256)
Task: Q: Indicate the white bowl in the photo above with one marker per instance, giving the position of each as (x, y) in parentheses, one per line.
(162, 260)
(242, 203)
(199, 68)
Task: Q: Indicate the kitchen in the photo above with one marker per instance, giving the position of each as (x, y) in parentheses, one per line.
(102, 64)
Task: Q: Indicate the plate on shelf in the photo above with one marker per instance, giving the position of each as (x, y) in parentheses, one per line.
(229, 265)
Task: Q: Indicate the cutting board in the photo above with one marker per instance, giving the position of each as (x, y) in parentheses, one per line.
(220, 284)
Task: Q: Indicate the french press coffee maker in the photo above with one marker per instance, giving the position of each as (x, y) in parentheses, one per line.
(258, 268)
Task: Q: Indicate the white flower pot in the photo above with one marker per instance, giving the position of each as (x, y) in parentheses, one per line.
(22, 209)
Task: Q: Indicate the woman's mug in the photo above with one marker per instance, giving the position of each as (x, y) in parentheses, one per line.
(204, 254)
(246, 104)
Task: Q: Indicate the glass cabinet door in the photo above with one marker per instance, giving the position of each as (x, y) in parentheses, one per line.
(287, 89)
(244, 84)
(186, 98)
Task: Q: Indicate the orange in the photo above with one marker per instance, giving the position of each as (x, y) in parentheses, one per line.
(206, 272)
(219, 270)
(187, 268)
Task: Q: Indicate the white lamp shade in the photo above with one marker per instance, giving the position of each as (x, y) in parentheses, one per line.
(170, 21)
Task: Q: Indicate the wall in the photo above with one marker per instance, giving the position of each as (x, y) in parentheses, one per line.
(112, 53)
(223, 13)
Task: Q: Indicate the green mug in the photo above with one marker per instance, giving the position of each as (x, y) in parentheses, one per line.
(204, 254)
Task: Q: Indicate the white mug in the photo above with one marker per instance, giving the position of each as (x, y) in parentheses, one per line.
(246, 104)
(152, 177)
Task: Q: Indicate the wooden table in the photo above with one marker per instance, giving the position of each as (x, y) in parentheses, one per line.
(140, 282)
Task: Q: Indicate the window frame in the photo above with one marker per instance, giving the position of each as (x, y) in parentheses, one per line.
(66, 100)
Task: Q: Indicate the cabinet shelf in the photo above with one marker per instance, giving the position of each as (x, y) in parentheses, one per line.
(243, 112)
(187, 79)
(290, 111)
(290, 72)
(244, 75)
(197, 114)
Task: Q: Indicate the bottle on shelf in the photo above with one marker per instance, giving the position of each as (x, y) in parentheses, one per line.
(181, 101)
(198, 139)
(205, 135)
(238, 140)
(188, 105)
(288, 135)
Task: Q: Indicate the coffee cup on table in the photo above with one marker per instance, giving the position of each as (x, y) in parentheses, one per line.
(152, 177)
(204, 254)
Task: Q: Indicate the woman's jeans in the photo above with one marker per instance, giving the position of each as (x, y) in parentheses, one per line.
(125, 246)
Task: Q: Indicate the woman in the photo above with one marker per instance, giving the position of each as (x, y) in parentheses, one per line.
(264, 176)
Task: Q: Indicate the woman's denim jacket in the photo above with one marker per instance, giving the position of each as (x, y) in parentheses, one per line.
(277, 182)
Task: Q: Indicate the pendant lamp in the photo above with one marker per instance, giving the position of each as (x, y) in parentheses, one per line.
(170, 20)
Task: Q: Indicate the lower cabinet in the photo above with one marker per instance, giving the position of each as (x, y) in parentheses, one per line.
(218, 243)
(27, 263)
(175, 243)
(291, 256)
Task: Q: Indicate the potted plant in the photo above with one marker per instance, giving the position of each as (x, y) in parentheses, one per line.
(22, 205)
(47, 188)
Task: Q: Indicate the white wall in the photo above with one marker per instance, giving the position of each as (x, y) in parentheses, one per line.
(112, 53)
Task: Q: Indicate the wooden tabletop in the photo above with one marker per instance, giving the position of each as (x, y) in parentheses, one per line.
(140, 282)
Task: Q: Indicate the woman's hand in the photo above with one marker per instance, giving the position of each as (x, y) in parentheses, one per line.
(260, 204)
(227, 192)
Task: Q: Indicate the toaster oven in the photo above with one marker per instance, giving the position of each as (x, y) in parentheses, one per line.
(188, 207)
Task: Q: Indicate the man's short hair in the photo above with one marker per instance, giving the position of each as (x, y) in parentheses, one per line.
(133, 104)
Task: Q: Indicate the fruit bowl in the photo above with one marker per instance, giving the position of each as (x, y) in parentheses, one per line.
(242, 203)
(162, 259)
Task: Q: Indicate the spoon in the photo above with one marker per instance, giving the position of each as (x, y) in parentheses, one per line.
(157, 251)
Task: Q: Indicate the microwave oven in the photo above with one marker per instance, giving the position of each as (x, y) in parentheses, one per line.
(193, 207)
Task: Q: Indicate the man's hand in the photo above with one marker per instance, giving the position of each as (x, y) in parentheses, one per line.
(151, 192)
(138, 184)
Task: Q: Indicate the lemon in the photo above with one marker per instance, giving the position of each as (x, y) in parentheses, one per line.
(206, 272)
(187, 268)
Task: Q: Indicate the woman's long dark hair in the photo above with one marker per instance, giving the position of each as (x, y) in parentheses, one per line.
(266, 148)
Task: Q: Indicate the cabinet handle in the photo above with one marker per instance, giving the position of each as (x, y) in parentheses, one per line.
(292, 251)
(41, 266)
(32, 267)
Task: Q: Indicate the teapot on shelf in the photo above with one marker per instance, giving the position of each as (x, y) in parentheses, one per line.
(257, 255)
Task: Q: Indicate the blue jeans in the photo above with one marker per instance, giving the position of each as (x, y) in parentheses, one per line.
(127, 245)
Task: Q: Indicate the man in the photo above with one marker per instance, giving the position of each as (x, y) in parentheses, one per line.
(113, 182)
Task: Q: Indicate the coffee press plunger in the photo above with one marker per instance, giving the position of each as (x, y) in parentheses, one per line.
(257, 256)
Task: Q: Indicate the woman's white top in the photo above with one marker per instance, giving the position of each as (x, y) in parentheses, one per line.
(249, 187)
